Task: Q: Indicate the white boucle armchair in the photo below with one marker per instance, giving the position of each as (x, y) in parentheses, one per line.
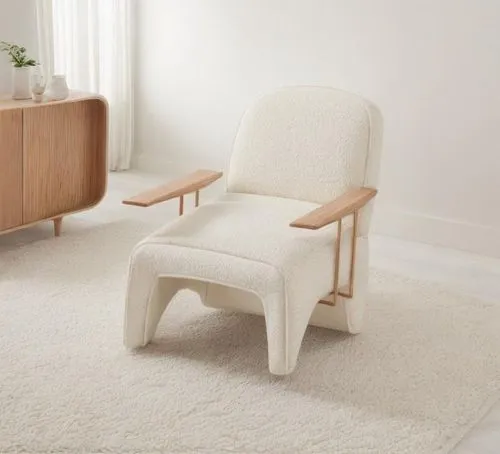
(288, 238)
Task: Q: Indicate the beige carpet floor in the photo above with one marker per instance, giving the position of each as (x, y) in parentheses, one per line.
(426, 368)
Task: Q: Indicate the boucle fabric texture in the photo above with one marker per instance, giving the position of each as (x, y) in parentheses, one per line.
(304, 143)
(245, 242)
(307, 143)
(423, 370)
(295, 149)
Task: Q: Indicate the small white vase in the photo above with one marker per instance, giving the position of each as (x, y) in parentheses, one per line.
(37, 83)
(21, 88)
(58, 88)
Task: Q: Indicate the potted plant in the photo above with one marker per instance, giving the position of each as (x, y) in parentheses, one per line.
(21, 65)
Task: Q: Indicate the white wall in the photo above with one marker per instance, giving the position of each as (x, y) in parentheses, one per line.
(432, 66)
(18, 25)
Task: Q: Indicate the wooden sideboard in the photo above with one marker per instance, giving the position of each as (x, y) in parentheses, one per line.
(52, 159)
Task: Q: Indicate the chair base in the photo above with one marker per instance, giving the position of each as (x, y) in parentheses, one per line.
(153, 282)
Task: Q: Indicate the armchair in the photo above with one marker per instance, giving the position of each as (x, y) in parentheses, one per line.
(288, 239)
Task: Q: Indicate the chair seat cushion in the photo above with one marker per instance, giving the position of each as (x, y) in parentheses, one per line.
(239, 242)
(250, 227)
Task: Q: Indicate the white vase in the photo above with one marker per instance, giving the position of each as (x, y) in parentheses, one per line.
(37, 83)
(58, 88)
(21, 88)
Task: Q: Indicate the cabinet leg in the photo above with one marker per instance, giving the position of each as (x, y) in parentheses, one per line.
(57, 226)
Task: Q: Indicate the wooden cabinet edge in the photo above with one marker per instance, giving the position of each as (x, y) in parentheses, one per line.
(75, 96)
(53, 218)
(101, 192)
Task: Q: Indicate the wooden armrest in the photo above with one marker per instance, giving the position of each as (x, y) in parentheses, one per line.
(333, 211)
(185, 185)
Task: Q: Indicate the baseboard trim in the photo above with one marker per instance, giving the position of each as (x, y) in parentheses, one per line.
(437, 231)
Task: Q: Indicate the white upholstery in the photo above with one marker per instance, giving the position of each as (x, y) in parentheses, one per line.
(307, 143)
(295, 150)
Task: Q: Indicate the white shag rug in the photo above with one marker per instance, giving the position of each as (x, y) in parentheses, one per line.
(423, 372)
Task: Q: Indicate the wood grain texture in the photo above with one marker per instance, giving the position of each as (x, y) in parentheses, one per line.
(11, 169)
(190, 183)
(331, 212)
(64, 158)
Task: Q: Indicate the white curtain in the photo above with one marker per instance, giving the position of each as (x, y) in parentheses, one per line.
(90, 41)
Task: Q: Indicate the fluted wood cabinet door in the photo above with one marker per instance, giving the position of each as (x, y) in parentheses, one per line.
(64, 158)
(11, 168)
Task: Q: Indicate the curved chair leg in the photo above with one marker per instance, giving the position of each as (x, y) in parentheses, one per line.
(143, 311)
(145, 306)
(164, 291)
(285, 330)
(147, 298)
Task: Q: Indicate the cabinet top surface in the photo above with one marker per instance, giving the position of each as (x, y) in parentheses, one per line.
(6, 101)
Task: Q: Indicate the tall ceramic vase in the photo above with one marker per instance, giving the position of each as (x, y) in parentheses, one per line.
(21, 83)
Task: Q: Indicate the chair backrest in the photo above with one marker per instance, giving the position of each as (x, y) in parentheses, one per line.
(307, 143)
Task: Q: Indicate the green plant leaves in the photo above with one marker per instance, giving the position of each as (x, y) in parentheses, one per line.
(17, 55)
